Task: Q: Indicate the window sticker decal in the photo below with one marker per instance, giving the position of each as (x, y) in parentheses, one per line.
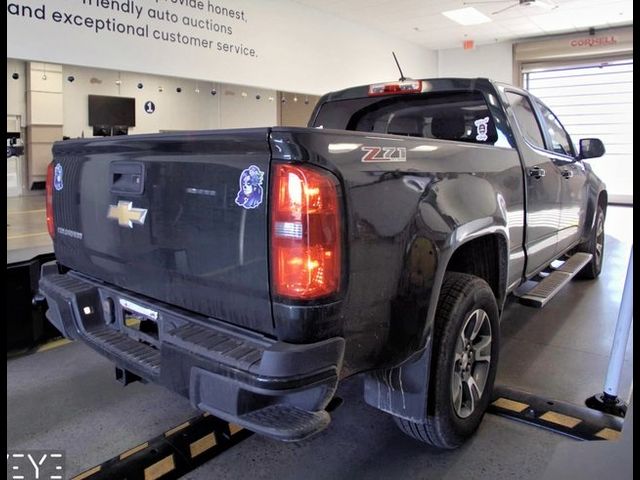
(250, 193)
(482, 126)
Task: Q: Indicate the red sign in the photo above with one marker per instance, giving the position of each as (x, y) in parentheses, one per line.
(594, 41)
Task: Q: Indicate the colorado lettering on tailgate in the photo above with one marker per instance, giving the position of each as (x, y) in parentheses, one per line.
(384, 154)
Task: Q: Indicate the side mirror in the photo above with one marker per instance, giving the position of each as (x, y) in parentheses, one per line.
(591, 148)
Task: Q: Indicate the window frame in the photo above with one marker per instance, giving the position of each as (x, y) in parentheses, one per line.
(548, 140)
(525, 94)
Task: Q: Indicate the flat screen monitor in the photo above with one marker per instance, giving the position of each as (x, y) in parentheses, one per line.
(110, 111)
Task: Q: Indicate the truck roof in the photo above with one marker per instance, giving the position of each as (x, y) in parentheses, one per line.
(434, 84)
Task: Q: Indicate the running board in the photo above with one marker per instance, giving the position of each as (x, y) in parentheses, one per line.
(544, 291)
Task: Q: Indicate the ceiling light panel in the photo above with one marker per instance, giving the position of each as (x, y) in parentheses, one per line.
(467, 16)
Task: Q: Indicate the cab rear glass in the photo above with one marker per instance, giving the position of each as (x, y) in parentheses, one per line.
(459, 116)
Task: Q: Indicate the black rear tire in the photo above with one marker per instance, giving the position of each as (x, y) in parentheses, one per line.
(461, 296)
(595, 246)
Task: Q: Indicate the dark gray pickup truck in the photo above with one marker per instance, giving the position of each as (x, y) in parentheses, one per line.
(252, 270)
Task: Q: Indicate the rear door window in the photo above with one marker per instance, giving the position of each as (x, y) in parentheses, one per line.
(526, 117)
(459, 116)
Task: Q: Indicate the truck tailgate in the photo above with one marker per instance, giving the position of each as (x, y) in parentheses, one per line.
(195, 247)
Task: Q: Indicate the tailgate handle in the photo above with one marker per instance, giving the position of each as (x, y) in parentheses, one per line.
(126, 177)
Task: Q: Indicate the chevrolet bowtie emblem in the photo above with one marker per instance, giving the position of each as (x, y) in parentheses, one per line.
(126, 215)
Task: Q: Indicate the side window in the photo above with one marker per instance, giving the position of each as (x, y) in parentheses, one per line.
(560, 141)
(526, 117)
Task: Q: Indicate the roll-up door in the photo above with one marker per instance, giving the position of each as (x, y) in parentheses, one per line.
(594, 101)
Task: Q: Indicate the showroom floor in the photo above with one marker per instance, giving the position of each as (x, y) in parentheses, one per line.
(27, 234)
(67, 398)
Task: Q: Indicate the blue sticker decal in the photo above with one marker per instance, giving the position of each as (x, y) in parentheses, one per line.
(250, 193)
(57, 177)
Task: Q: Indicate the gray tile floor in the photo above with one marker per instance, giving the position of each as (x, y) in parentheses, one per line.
(563, 349)
(67, 398)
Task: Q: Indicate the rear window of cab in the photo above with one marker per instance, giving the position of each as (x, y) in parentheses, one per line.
(458, 116)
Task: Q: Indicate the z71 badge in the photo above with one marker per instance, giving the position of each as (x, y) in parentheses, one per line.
(384, 154)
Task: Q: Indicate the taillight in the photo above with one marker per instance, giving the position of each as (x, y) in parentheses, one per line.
(49, 201)
(305, 232)
(408, 86)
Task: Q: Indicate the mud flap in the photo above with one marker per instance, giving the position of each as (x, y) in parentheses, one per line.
(402, 391)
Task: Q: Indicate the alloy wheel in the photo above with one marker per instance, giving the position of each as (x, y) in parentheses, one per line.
(471, 363)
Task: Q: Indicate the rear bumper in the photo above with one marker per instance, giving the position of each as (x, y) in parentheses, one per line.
(274, 388)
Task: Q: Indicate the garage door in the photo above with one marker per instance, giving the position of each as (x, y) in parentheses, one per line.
(595, 101)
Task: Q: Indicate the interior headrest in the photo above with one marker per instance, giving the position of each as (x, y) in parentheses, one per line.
(405, 126)
(448, 124)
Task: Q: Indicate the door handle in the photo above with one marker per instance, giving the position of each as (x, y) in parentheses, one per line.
(567, 174)
(536, 172)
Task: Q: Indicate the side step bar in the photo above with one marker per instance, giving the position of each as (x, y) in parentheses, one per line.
(544, 291)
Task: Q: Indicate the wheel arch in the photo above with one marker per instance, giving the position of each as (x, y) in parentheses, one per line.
(485, 256)
(403, 390)
(599, 200)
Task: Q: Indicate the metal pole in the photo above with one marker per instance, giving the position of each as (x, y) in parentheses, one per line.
(608, 400)
(625, 317)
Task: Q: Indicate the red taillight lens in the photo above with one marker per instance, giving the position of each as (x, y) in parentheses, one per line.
(409, 86)
(49, 201)
(305, 232)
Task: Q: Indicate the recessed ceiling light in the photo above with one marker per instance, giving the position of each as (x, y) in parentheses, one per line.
(467, 16)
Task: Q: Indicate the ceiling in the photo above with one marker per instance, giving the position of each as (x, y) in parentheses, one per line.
(422, 22)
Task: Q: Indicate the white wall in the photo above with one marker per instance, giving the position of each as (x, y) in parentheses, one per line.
(494, 61)
(298, 48)
(186, 110)
(16, 89)
(174, 111)
(237, 111)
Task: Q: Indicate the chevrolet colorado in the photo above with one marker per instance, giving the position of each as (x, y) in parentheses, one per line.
(252, 270)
